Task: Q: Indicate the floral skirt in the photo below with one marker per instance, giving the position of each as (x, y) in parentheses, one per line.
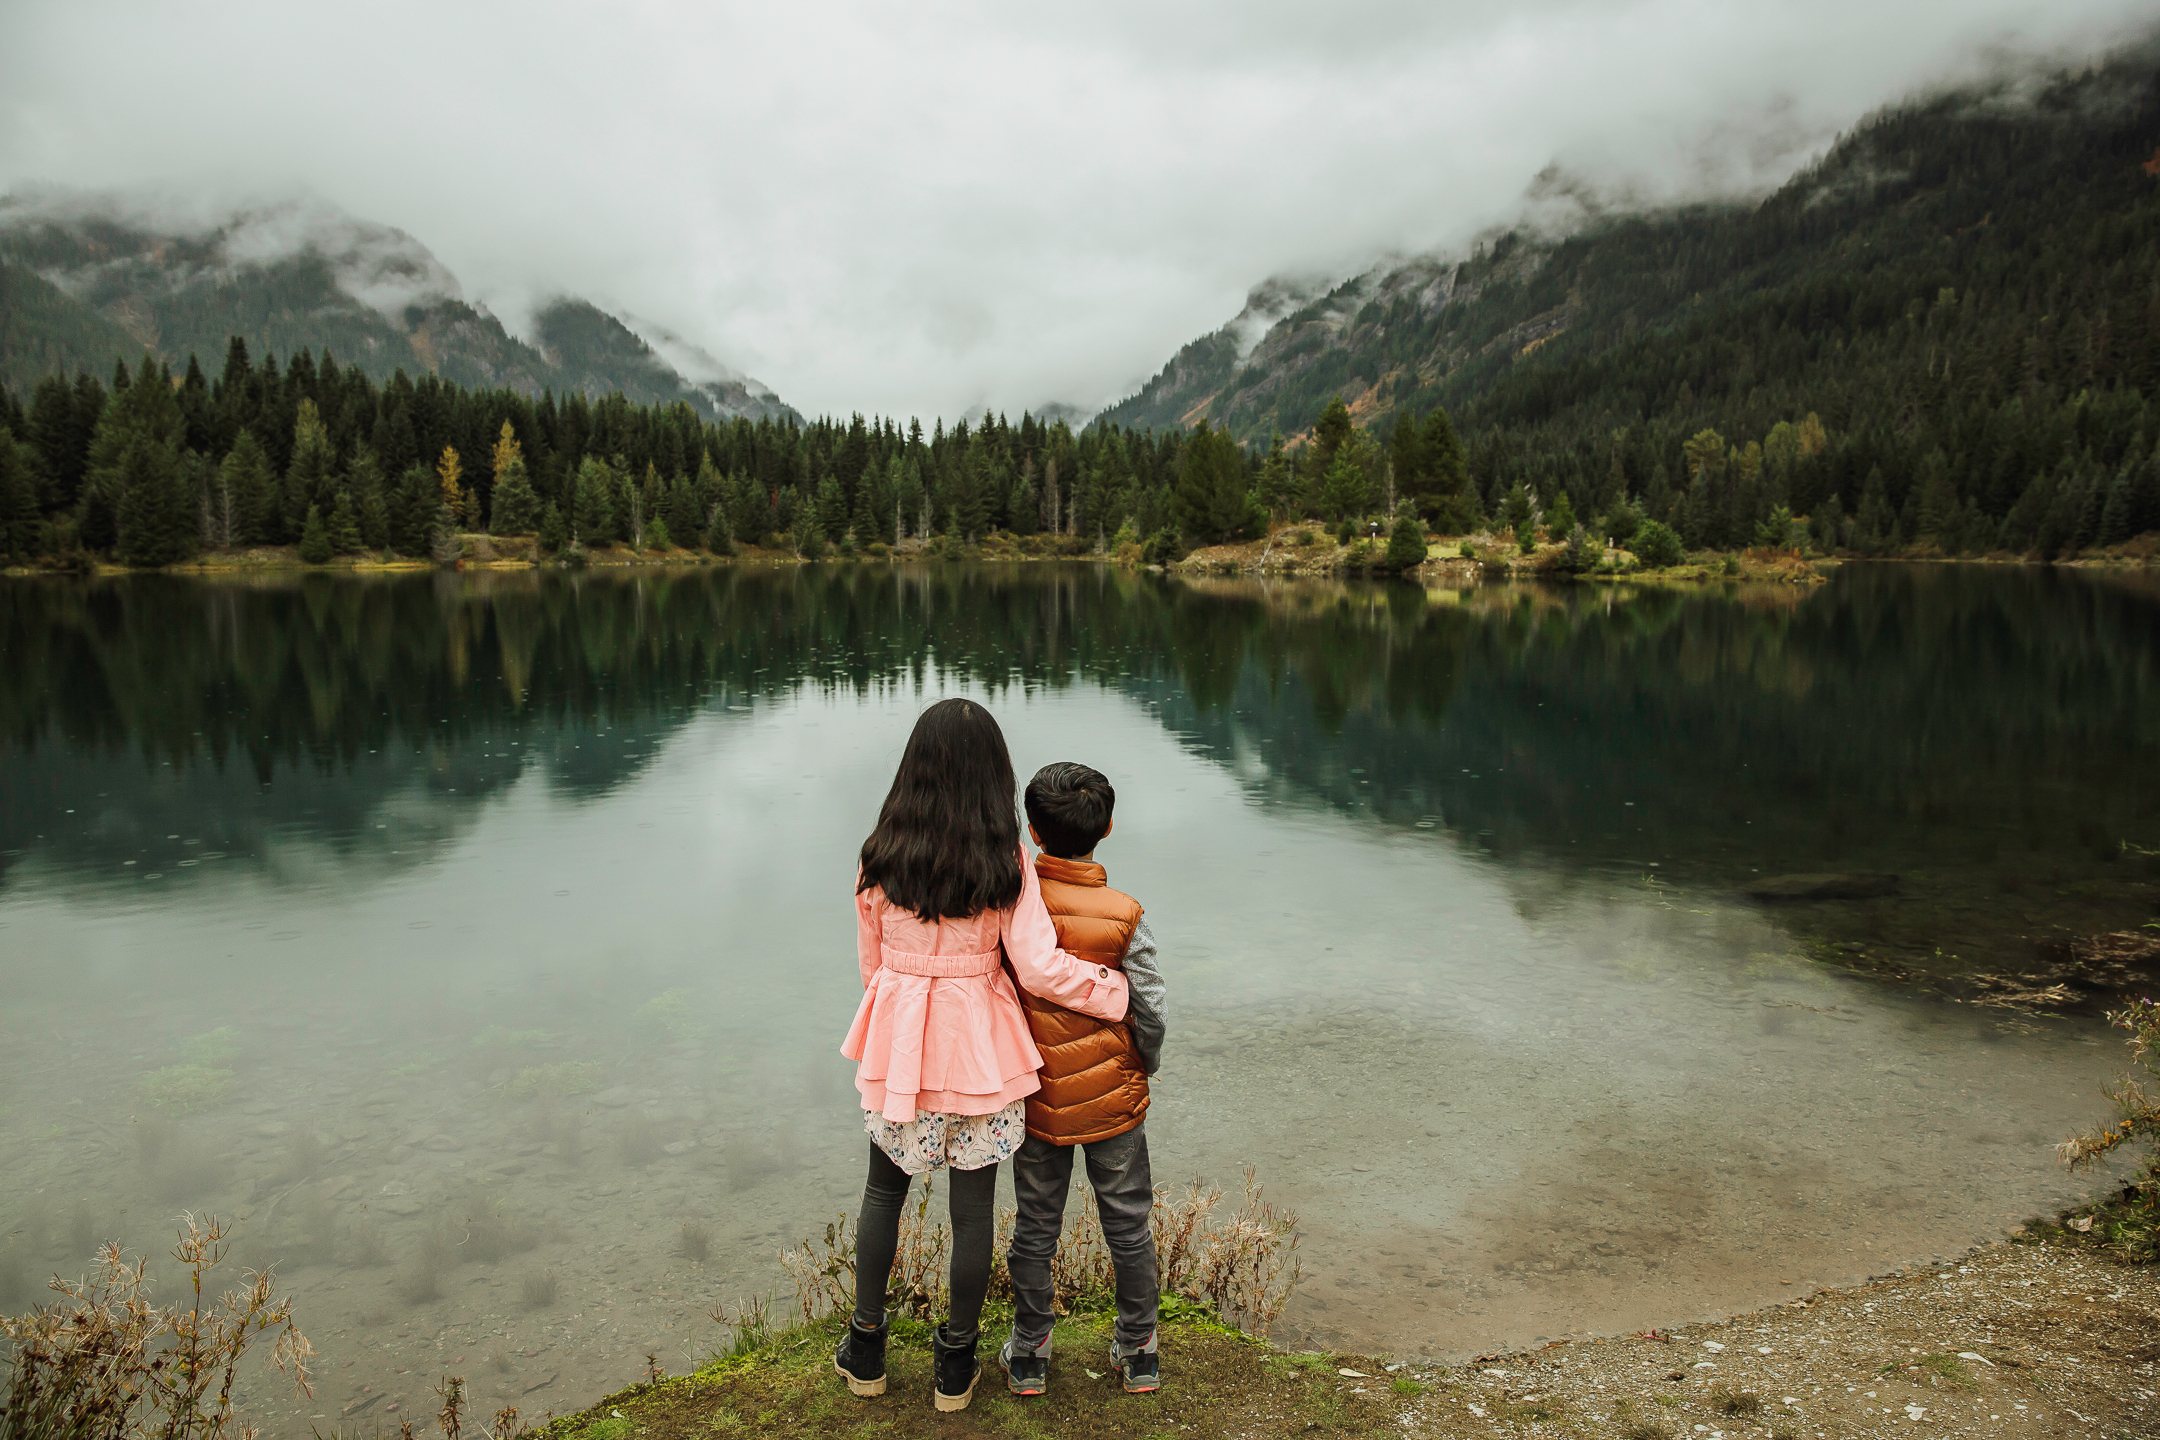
(936, 1140)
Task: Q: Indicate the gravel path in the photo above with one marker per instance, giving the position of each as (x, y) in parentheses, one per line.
(2011, 1340)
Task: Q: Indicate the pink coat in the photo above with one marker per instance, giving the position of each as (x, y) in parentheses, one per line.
(939, 1028)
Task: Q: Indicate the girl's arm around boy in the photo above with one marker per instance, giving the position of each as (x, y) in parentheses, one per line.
(1043, 969)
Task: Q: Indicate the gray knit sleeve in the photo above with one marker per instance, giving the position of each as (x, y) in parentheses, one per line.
(1149, 1009)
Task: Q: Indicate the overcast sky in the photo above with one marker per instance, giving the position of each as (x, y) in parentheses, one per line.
(923, 208)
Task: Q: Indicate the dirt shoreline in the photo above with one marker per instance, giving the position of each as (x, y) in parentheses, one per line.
(2011, 1339)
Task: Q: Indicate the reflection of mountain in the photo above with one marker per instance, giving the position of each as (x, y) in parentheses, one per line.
(1900, 718)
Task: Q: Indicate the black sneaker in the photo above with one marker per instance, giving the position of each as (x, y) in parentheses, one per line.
(1140, 1371)
(957, 1372)
(1027, 1368)
(861, 1357)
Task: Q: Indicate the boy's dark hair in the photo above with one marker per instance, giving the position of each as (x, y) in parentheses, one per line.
(1069, 805)
(947, 842)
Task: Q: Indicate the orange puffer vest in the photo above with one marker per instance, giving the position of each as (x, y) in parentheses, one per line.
(1092, 1085)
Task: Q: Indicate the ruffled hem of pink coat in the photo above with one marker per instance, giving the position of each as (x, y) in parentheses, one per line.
(957, 1045)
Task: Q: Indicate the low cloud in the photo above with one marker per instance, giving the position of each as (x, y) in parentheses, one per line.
(924, 209)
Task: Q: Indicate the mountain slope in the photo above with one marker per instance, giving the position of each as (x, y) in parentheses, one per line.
(83, 282)
(1937, 194)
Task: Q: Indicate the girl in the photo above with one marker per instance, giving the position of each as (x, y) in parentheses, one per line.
(943, 1055)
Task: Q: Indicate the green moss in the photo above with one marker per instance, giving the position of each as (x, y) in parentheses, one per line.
(179, 1089)
(1950, 1368)
(570, 1077)
(672, 1012)
(495, 1037)
(213, 1049)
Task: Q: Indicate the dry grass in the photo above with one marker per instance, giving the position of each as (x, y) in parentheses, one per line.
(104, 1361)
(1243, 1265)
(2130, 1226)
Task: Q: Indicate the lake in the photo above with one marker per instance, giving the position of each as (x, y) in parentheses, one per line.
(467, 936)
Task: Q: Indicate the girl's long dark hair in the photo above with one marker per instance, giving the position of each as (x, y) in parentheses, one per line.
(947, 842)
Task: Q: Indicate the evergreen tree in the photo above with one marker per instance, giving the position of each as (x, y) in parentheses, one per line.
(1345, 488)
(517, 507)
(370, 506)
(18, 497)
(144, 417)
(1406, 544)
(1775, 532)
(832, 510)
(1442, 492)
(1331, 431)
(685, 519)
(159, 520)
(1519, 508)
(656, 534)
(592, 521)
(1560, 519)
(414, 503)
(315, 547)
(244, 480)
(62, 420)
(1278, 479)
(554, 534)
(309, 480)
(1212, 503)
(344, 528)
(1875, 519)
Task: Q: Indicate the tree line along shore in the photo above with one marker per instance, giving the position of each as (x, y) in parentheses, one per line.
(156, 469)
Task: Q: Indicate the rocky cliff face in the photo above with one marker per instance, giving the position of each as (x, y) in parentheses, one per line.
(87, 278)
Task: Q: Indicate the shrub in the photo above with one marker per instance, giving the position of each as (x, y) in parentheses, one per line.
(86, 1366)
(1731, 565)
(1657, 546)
(1579, 554)
(2131, 1227)
(1164, 548)
(1406, 545)
(1526, 537)
(1466, 549)
(1244, 1265)
(1735, 1402)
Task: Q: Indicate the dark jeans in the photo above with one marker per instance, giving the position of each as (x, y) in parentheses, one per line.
(877, 1236)
(1117, 1171)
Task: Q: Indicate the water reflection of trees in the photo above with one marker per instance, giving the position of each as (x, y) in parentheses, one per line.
(1948, 708)
(1903, 716)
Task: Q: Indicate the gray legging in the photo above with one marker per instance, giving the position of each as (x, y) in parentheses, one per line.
(877, 1235)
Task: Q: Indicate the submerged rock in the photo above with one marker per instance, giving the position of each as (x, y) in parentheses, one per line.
(1858, 885)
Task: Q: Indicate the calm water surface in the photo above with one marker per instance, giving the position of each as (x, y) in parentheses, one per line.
(458, 932)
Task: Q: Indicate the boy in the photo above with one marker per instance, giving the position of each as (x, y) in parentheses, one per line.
(1094, 1094)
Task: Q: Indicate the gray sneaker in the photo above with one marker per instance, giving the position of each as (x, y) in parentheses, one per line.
(1140, 1370)
(1027, 1368)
